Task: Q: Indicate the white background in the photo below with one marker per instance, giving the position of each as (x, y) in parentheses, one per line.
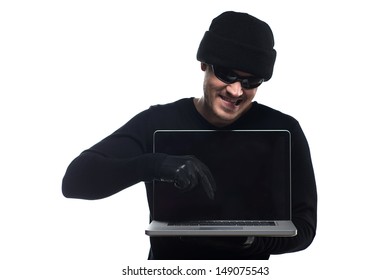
(72, 72)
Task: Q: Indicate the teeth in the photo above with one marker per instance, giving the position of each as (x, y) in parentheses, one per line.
(235, 102)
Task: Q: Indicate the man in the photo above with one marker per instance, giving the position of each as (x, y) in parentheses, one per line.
(236, 55)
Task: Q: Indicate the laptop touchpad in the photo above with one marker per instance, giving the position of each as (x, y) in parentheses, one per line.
(220, 228)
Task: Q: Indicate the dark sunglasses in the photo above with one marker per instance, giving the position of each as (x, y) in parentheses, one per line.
(228, 76)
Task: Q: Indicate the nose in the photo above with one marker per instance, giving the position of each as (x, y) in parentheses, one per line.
(235, 89)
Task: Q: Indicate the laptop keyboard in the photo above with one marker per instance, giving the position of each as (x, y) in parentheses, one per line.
(222, 223)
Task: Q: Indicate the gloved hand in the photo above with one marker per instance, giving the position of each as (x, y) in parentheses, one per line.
(186, 172)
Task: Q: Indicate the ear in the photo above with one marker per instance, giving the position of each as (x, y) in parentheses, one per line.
(203, 66)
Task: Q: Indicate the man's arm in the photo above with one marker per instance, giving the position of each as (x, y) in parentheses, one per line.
(118, 162)
(93, 175)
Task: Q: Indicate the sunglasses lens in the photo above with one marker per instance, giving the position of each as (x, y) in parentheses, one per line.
(253, 83)
(229, 76)
(225, 75)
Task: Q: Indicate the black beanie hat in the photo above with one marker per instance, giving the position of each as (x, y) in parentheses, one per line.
(241, 42)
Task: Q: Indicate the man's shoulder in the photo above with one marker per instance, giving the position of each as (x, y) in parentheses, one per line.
(165, 110)
(268, 112)
(160, 116)
(168, 115)
(178, 104)
(268, 117)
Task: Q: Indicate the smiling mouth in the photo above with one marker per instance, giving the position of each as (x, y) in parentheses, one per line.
(233, 101)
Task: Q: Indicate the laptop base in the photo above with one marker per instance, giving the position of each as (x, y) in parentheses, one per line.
(280, 229)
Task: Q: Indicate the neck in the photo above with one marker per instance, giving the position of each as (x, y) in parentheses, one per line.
(200, 106)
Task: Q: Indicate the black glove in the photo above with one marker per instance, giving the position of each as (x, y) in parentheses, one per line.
(186, 172)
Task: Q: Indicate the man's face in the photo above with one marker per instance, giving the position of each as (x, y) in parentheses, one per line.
(223, 103)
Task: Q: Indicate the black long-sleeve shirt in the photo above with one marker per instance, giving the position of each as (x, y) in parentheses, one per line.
(125, 158)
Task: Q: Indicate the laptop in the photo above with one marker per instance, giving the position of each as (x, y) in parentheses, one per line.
(252, 171)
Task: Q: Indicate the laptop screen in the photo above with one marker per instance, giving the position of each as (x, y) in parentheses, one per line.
(251, 170)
